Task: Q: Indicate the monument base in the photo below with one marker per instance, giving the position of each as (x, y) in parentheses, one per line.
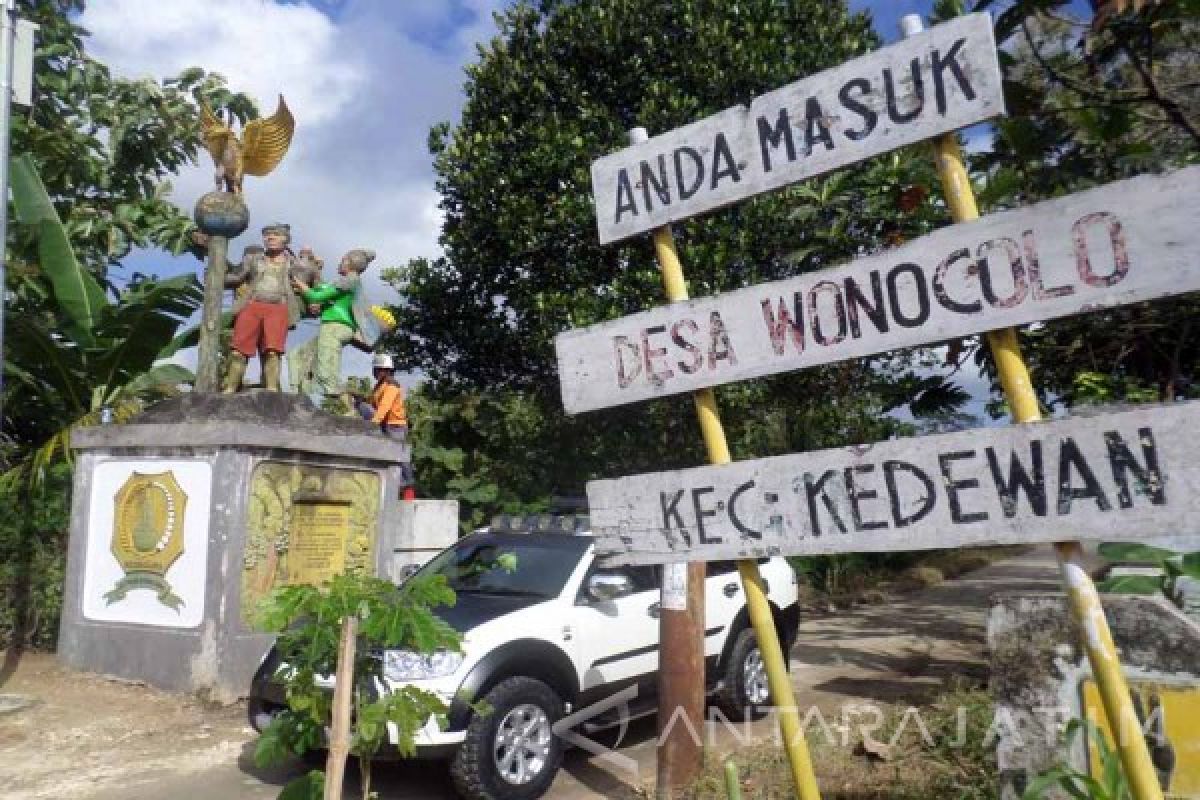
(184, 519)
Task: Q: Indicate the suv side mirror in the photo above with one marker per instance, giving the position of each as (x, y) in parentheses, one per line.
(605, 586)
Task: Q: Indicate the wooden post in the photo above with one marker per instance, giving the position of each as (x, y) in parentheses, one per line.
(208, 360)
(1081, 592)
(681, 603)
(681, 685)
(343, 696)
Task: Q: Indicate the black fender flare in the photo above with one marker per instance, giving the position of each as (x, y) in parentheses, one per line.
(530, 658)
(786, 622)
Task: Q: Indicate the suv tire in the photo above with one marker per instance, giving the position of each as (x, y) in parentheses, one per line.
(744, 692)
(510, 753)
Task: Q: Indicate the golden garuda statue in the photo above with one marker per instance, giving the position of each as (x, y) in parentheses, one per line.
(264, 144)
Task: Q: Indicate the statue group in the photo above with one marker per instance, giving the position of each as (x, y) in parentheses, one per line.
(275, 287)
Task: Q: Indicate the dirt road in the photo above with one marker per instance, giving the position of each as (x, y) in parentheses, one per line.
(89, 738)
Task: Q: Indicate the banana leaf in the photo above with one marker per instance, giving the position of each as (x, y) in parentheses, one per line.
(161, 379)
(191, 337)
(77, 293)
(131, 335)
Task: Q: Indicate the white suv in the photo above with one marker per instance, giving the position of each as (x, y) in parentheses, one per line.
(559, 633)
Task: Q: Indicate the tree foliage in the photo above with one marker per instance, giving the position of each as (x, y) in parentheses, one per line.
(93, 184)
(107, 145)
(560, 85)
(1090, 103)
(308, 623)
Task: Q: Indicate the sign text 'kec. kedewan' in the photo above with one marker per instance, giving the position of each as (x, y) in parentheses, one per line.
(1119, 476)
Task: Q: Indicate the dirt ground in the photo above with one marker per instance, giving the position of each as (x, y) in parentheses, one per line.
(90, 738)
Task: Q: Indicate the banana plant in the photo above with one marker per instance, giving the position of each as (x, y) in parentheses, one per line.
(1173, 566)
(73, 350)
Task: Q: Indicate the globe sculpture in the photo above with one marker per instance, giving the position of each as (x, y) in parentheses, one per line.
(221, 214)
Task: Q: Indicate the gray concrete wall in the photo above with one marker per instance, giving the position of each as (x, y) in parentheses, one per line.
(1038, 668)
(220, 655)
(423, 529)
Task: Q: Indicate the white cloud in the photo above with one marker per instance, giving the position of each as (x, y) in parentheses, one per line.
(365, 82)
(262, 48)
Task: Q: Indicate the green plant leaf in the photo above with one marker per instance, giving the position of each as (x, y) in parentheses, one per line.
(310, 786)
(191, 337)
(1132, 584)
(1132, 551)
(77, 292)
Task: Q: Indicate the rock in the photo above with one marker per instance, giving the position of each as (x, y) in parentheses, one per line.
(921, 577)
(873, 750)
(264, 408)
(873, 597)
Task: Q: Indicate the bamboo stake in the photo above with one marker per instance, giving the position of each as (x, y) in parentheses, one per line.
(343, 694)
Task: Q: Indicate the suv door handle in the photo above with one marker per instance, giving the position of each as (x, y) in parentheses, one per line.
(730, 589)
(654, 610)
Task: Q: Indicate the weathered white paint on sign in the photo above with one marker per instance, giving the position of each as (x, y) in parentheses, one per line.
(937, 81)
(1122, 243)
(1117, 476)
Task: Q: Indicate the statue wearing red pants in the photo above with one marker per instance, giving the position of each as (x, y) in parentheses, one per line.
(268, 308)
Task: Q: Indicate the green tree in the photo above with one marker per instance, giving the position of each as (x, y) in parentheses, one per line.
(308, 621)
(89, 353)
(560, 85)
(1089, 103)
(106, 146)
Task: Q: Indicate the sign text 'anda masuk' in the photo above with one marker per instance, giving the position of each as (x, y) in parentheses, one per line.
(1121, 243)
(1120, 477)
(935, 82)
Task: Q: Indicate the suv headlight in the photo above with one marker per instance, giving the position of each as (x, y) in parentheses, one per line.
(405, 665)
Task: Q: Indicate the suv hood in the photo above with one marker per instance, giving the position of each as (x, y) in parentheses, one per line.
(476, 608)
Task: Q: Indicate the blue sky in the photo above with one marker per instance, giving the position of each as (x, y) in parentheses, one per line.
(366, 80)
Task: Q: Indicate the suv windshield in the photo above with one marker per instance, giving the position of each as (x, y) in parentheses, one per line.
(544, 562)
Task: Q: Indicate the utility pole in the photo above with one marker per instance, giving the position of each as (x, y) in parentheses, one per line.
(681, 606)
(16, 82)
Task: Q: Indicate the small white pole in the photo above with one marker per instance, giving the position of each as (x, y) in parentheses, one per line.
(8, 27)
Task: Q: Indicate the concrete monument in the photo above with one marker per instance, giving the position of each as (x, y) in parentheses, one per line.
(185, 517)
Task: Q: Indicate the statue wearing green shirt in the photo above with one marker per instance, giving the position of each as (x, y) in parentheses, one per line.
(344, 320)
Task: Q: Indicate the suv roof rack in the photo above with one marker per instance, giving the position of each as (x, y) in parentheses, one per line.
(540, 523)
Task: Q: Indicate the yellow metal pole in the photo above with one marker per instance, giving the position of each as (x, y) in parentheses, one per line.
(757, 604)
(1081, 592)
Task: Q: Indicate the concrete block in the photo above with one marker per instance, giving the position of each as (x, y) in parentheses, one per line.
(1041, 678)
(425, 528)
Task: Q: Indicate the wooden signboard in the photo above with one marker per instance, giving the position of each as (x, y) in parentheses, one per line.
(938, 81)
(1118, 476)
(1121, 243)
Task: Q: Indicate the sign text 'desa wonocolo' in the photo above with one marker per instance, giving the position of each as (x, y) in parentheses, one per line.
(1121, 243)
(1120, 476)
(938, 81)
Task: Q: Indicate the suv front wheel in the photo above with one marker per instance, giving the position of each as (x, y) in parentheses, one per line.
(510, 751)
(744, 692)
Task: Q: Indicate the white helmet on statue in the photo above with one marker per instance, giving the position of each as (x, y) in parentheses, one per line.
(382, 361)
